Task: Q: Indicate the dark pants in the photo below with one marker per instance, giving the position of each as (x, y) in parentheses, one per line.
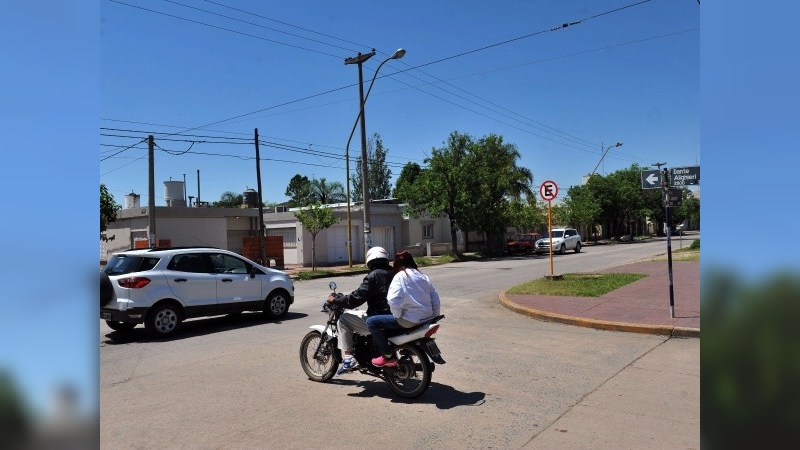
(376, 325)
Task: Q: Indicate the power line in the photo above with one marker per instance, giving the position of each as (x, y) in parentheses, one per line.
(255, 24)
(224, 29)
(564, 25)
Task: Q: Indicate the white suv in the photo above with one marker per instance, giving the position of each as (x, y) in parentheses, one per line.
(563, 239)
(162, 287)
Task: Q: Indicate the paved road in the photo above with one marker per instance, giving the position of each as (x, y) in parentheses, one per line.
(510, 381)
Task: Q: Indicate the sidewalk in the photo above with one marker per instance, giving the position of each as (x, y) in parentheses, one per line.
(640, 307)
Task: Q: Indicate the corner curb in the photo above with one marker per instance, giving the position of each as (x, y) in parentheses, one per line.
(662, 330)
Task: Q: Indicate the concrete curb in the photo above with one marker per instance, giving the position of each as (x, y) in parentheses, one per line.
(662, 330)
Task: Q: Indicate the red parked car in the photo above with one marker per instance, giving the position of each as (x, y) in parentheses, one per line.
(522, 243)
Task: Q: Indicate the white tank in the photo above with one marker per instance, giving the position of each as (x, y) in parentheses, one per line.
(132, 200)
(173, 193)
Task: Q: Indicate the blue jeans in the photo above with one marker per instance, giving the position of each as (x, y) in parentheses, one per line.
(376, 325)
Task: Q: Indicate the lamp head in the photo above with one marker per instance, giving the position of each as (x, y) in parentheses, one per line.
(398, 54)
(618, 144)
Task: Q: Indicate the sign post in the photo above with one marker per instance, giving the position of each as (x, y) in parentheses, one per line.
(671, 182)
(665, 191)
(549, 191)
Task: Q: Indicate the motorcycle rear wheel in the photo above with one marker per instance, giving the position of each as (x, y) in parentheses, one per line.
(324, 366)
(412, 376)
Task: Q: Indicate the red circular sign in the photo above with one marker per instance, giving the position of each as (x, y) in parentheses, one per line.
(548, 190)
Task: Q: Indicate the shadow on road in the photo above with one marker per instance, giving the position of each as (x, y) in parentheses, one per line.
(199, 327)
(443, 396)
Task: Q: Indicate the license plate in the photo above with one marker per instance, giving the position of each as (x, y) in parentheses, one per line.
(433, 349)
(106, 316)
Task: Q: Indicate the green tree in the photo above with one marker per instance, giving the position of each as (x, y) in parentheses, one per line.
(689, 209)
(620, 198)
(495, 180)
(315, 218)
(378, 173)
(526, 215)
(582, 208)
(443, 185)
(298, 191)
(327, 193)
(229, 199)
(108, 209)
(407, 182)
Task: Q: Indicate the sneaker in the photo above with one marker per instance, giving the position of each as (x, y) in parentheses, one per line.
(347, 366)
(383, 361)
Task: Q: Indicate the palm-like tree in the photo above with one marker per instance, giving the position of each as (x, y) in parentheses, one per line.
(327, 193)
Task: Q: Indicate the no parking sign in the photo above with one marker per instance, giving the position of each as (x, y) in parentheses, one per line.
(548, 190)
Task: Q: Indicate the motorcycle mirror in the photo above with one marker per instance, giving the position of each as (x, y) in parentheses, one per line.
(332, 285)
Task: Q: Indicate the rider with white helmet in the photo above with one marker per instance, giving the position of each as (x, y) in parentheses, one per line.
(372, 291)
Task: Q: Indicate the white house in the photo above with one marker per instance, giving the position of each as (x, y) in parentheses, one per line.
(180, 226)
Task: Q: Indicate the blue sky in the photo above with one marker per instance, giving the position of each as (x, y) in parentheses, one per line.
(60, 80)
(214, 71)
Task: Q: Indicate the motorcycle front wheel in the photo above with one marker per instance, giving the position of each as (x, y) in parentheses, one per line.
(318, 365)
(412, 376)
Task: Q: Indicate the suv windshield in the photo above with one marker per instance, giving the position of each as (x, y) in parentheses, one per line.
(122, 264)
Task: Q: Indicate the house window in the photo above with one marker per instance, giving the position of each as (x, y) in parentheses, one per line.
(427, 231)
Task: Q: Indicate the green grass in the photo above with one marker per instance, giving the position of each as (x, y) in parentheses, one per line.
(686, 253)
(577, 284)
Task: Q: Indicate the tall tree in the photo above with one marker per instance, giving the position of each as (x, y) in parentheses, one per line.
(108, 209)
(299, 191)
(495, 181)
(327, 193)
(407, 182)
(315, 218)
(442, 187)
(378, 173)
(582, 209)
(229, 199)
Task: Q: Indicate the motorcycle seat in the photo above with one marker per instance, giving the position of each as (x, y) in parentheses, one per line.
(399, 331)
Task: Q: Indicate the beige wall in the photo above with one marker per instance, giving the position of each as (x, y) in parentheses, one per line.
(212, 232)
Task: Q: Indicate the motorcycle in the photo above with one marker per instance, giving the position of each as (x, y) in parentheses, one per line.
(415, 348)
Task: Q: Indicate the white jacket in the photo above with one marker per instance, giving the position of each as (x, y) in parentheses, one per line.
(412, 298)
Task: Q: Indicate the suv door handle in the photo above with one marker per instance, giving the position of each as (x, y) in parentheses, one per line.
(178, 280)
(227, 280)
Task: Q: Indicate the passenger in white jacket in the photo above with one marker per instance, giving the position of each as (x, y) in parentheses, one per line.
(412, 299)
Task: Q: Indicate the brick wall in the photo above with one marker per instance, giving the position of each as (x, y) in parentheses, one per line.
(160, 243)
(273, 249)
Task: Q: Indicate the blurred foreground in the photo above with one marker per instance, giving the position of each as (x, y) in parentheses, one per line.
(750, 361)
(62, 427)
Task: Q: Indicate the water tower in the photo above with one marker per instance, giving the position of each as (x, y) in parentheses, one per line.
(250, 197)
(132, 200)
(174, 194)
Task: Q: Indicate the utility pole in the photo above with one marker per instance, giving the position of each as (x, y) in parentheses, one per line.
(260, 206)
(359, 60)
(151, 201)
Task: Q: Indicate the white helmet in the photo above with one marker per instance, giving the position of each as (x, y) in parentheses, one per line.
(376, 254)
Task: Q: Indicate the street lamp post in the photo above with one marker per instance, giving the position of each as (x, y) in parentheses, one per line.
(359, 60)
(618, 144)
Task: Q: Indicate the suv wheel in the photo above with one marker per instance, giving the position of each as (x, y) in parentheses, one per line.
(277, 305)
(163, 320)
(578, 247)
(563, 249)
